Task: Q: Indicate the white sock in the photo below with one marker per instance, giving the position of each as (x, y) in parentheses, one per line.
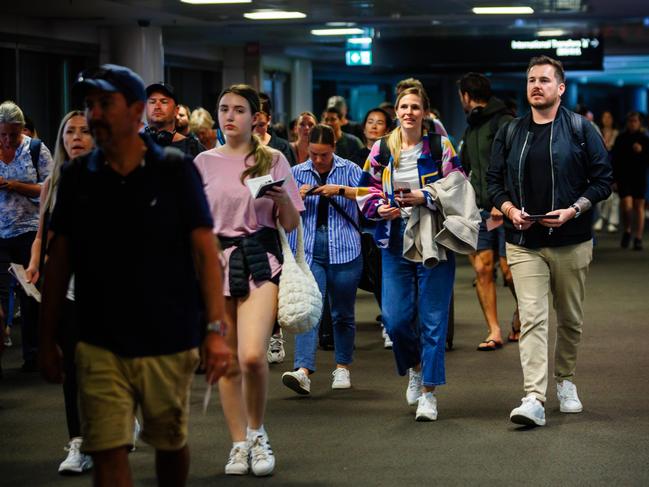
(255, 433)
(240, 444)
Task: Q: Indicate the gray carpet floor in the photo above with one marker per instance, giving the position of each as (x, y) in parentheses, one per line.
(367, 436)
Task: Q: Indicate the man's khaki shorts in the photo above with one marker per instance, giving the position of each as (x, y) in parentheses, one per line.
(112, 387)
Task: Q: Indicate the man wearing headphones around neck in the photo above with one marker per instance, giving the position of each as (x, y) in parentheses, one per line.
(161, 111)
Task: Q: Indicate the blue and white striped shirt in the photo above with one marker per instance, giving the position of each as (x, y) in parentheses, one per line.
(344, 239)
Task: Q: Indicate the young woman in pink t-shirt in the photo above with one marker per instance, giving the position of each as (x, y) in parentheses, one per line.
(247, 231)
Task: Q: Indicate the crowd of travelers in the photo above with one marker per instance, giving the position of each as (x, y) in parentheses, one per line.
(141, 186)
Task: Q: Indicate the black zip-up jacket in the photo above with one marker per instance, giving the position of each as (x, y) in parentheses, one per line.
(576, 172)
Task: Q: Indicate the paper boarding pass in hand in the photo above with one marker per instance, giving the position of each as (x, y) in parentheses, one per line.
(206, 398)
(18, 272)
(259, 186)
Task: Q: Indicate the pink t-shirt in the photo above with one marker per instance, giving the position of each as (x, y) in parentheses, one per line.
(233, 209)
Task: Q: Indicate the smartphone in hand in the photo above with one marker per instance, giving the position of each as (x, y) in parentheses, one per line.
(533, 218)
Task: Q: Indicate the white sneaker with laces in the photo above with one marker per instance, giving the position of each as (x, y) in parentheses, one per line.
(568, 399)
(529, 413)
(262, 459)
(239, 460)
(387, 342)
(341, 378)
(276, 353)
(76, 462)
(426, 407)
(298, 381)
(413, 392)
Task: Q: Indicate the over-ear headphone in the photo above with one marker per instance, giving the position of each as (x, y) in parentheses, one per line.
(161, 137)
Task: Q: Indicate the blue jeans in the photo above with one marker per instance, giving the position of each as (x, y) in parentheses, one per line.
(412, 291)
(339, 281)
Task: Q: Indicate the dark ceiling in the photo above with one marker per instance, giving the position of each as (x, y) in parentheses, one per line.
(622, 23)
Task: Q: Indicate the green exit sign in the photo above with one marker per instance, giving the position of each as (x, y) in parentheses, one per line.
(358, 58)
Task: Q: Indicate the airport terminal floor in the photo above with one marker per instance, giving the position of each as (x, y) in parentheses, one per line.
(367, 436)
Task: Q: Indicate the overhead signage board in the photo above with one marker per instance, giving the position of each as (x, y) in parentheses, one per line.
(451, 54)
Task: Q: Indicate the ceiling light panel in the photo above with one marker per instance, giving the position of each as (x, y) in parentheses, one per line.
(214, 2)
(337, 32)
(503, 10)
(273, 15)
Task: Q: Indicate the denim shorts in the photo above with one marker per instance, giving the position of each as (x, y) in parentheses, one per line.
(493, 240)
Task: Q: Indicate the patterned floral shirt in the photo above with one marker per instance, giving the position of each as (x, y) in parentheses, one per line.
(18, 213)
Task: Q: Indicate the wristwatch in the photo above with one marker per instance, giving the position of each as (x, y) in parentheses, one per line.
(218, 327)
(341, 191)
(577, 210)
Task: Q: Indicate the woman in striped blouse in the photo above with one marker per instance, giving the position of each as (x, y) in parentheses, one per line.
(333, 250)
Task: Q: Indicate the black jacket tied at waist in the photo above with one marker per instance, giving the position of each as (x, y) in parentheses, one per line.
(250, 258)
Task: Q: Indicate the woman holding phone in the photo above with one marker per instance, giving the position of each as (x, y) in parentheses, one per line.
(333, 250)
(391, 190)
(247, 230)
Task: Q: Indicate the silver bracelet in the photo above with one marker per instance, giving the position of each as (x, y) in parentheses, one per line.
(218, 327)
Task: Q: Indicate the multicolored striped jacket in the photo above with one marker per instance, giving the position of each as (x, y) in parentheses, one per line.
(376, 188)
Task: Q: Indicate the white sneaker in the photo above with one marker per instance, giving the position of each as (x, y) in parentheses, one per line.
(276, 353)
(137, 429)
(413, 392)
(387, 342)
(298, 381)
(8, 342)
(598, 225)
(341, 378)
(610, 228)
(76, 462)
(426, 407)
(239, 460)
(568, 400)
(530, 412)
(262, 459)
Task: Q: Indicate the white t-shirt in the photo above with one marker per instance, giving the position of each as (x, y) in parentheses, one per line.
(406, 175)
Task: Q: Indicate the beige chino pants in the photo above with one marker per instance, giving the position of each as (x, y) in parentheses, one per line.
(536, 272)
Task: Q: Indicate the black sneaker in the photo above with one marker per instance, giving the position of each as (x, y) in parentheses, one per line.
(626, 240)
(637, 244)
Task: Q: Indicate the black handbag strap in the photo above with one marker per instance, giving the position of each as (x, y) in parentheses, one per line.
(336, 206)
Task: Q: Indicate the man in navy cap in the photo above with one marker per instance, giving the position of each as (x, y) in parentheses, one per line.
(161, 111)
(132, 224)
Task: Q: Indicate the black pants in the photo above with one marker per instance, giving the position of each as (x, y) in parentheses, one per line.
(18, 250)
(68, 339)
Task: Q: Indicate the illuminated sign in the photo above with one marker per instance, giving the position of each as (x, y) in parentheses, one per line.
(561, 47)
(358, 58)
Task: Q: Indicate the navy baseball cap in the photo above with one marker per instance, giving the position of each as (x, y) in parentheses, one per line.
(162, 87)
(112, 78)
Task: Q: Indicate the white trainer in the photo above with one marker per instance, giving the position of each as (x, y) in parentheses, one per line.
(568, 399)
(76, 462)
(137, 429)
(529, 413)
(598, 225)
(387, 342)
(426, 407)
(239, 460)
(341, 378)
(413, 392)
(276, 353)
(298, 381)
(262, 459)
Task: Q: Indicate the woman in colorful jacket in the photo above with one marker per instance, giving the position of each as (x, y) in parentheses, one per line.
(391, 191)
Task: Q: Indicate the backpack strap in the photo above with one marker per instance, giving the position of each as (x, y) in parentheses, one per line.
(577, 128)
(35, 153)
(509, 135)
(435, 145)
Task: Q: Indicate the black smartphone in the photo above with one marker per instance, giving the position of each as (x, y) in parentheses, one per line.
(533, 218)
(401, 191)
(273, 184)
(310, 192)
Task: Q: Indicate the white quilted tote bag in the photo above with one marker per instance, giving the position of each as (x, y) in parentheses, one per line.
(299, 299)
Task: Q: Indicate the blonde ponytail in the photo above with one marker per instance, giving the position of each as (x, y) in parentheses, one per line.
(262, 157)
(394, 144)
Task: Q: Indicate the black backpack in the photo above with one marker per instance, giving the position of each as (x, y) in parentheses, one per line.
(35, 153)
